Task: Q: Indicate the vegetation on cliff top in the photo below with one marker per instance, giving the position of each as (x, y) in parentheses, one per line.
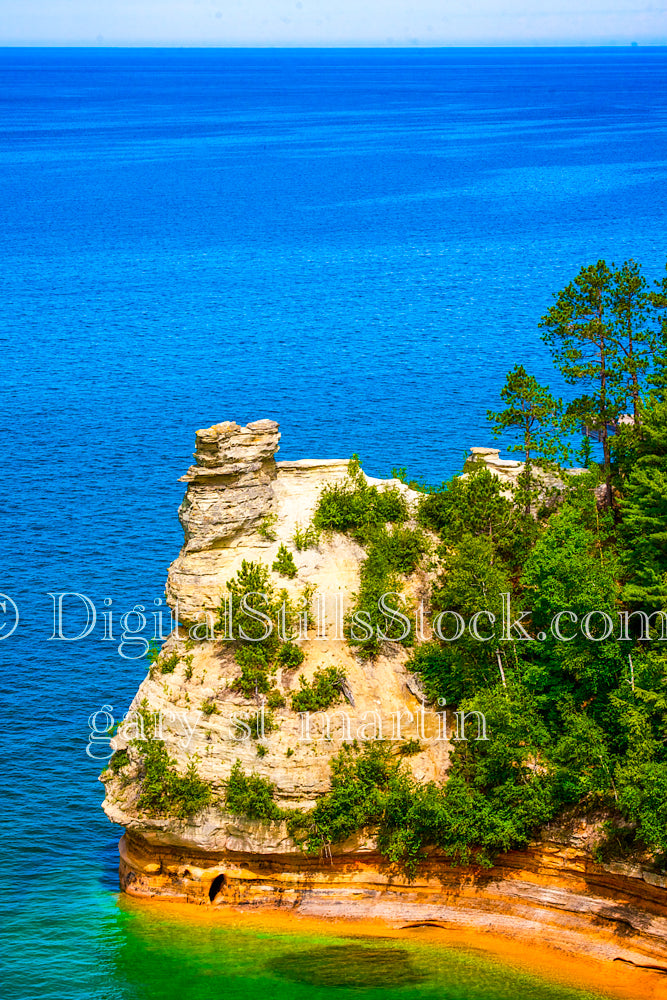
(579, 721)
(592, 706)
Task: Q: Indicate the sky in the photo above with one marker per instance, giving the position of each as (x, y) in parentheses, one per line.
(332, 22)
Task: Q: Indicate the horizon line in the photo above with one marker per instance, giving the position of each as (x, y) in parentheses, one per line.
(292, 46)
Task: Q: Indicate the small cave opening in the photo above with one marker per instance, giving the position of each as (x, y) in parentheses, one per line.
(216, 885)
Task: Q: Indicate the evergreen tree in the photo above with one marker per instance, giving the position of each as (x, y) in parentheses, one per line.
(580, 334)
(572, 571)
(635, 340)
(658, 300)
(532, 413)
(471, 583)
(644, 507)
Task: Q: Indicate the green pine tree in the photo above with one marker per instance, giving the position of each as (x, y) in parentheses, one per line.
(632, 332)
(579, 330)
(644, 507)
(532, 413)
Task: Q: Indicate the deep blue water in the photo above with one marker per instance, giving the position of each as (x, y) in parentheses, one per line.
(358, 244)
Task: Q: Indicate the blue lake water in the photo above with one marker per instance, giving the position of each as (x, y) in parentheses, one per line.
(358, 244)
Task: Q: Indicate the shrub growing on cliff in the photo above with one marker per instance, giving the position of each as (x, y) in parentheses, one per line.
(259, 614)
(390, 555)
(492, 800)
(275, 699)
(165, 792)
(284, 563)
(267, 527)
(119, 760)
(290, 656)
(250, 795)
(325, 689)
(257, 725)
(159, 662)
(168, 664)
(305, 537)
(353, 506)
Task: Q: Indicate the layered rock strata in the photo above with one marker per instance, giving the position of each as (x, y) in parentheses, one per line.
(552, 891)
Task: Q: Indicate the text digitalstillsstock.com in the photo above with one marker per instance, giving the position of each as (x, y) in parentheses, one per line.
(323, 618)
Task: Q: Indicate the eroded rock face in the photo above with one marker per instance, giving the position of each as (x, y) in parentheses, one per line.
(227, 448)
(553, 889)
(229, 488)
(229, 493)
(234, 486)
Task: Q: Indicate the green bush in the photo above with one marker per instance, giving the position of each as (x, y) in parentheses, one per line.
(153, 652)
(305, 537)
(324, 690)
(252, 585)
(353, 506)
(390, 555)
(275, 699)
(209, 707)
(255, 666)
(250, 795)
(168, 665)
(119, 760)
(267, 527)
(254, 724)
(165, 792)
(284, 563)
(259, 647)
(290, 656)
(402, 548)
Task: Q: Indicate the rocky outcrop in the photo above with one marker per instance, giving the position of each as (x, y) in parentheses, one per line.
(233, 488)
(229, 493)
(508, 471)
(242, 504)
(229, 487)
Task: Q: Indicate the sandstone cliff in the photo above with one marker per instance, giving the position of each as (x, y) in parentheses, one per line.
(241, 504)
(235, 486)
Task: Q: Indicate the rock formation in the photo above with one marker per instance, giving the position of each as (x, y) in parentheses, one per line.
(508, 470)
(241, 504)
(232, 490)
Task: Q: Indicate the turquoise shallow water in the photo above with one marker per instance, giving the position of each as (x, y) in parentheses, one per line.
(357, 244)
(317, 966)
(132, 952)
